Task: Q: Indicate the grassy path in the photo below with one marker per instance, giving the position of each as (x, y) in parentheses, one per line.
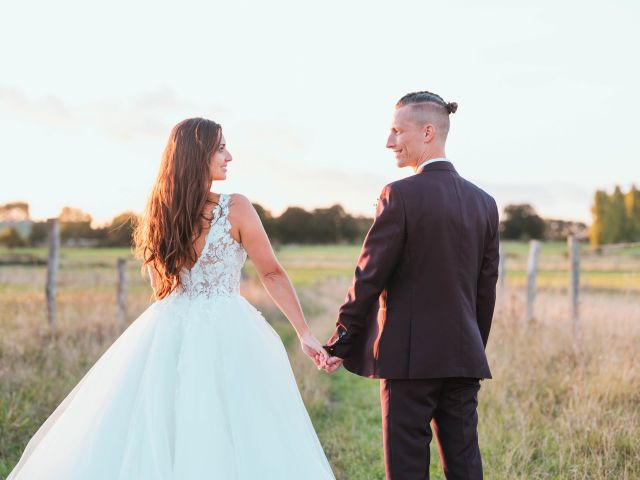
(345, 408)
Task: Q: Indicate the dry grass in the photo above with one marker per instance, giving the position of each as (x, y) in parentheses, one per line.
(564, 404)
(560, 406)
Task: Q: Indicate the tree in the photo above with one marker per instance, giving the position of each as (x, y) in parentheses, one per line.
(616, 218)
(632, 206)
(75, 224)
(14, 212)
(295, 226)
(327, 224)
(599, 213)
(119, 233)
(11, 238)
(73, 215)
(39, 233)
(521, 223)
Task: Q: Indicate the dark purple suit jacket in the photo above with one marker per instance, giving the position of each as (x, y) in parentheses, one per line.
(423, 294)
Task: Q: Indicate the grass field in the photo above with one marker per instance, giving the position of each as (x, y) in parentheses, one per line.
(561, 405)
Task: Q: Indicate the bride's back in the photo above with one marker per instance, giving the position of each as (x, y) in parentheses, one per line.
(217, 270)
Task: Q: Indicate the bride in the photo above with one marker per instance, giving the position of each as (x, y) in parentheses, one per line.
(199, 386)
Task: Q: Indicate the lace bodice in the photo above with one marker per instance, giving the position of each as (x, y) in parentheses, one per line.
(217, 269)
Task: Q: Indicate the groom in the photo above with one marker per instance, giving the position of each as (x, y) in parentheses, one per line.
(419, 310)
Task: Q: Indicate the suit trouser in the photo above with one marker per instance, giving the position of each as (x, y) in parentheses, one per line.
(408, 407)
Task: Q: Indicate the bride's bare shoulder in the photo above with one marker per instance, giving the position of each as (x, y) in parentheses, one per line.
(243, 216)
(241, 210)
(240, 202)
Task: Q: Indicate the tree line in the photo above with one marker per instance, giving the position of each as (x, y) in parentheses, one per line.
(295, 225)
(616, 219)
(521, 222)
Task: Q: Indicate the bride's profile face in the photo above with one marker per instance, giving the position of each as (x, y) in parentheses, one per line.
(219, 160)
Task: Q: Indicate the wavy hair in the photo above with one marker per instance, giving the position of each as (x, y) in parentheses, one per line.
(165, 234)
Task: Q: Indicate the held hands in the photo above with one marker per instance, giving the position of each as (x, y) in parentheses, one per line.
(332, 364)
(313, 349)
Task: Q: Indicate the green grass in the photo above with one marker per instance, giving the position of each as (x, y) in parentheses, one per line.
(351, 429)
(75, 255)
(606, 280)
(559, 251)
(546, 248)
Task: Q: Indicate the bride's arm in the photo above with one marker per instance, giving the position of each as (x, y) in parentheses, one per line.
(247, 225)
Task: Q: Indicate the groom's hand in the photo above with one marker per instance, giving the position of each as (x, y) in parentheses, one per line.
(332, 364)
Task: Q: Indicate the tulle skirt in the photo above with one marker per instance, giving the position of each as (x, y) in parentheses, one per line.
(193, 389)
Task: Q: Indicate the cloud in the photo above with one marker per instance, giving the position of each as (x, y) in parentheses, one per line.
(148, 115)
(49, 109)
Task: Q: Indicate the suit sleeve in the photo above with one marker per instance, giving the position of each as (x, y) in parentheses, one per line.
(486, 290)
(380, 253)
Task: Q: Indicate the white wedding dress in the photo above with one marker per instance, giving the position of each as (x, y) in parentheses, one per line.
(198, 387)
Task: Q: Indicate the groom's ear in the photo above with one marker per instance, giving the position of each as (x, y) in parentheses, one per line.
(429, 132)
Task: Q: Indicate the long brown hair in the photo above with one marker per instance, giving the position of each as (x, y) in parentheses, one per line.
(164, 236)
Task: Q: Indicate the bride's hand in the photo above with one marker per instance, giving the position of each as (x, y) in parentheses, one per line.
(313, 349)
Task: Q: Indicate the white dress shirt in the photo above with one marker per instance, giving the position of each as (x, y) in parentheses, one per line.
(427, 162)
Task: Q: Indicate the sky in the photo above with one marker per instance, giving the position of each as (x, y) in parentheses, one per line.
(89, 91)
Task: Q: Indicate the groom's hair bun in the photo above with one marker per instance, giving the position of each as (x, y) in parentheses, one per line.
(426, 97)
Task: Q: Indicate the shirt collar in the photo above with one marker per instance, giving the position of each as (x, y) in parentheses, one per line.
(427, 162)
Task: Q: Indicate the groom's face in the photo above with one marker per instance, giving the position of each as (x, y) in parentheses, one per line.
(406, 138)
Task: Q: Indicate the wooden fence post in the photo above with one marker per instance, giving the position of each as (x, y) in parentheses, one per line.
(532, 272)
(53, 264)
(574, 279)
(121, 296)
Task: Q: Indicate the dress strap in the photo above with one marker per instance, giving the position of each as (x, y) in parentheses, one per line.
(224, 202)
(221, 209)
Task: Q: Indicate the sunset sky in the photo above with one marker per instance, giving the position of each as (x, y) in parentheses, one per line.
(548, 97)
